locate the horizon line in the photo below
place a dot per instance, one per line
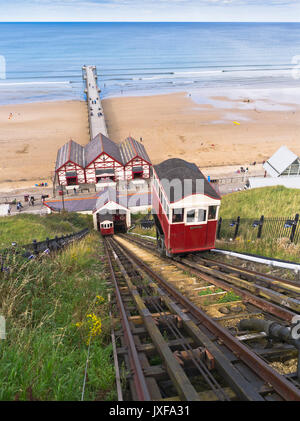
(150, 21)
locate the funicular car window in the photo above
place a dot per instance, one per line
(191, 215)
(201, 215)
(177, 215)
(212, 212)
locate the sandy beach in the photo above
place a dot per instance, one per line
(175, 126)
(30, 135)
(171, 125)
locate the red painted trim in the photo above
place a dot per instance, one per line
(114, 159)
(67, 162)
(138, 156)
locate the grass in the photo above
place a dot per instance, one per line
(24, 228)
(267, 201)
(228, 297)
(46, 304)
(151, 232)
(280, 248)
(136, 219)
(209, 291)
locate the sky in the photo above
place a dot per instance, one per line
(150, 10)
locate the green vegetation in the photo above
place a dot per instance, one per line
(267, 201)
(136, 219)
(25, 228)
(208, 291)
(280, 248)
(151, 232)
(228, 297)
(55, 307)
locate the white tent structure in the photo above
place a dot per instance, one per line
(284, 163)
(289, 182)
(4, 209)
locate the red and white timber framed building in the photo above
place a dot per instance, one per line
(70, 164)
(102, 162)
(137, 163)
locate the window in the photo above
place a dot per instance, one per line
(201, 215)
(190, 216)
(71, 181)
(212, 212)
(177, 215)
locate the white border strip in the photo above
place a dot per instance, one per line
(141, 235)
(292, 266)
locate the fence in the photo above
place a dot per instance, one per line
(147, 222)
(252, 228)
(35, 248)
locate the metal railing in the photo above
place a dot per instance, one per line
(35, 248)
(252, 228)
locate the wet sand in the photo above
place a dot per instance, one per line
(174, 125)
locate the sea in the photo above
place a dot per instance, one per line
(43, 61)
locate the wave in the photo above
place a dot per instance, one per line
(4, 84)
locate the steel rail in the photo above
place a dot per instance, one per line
(183, 385)
(281, 385)
(282, 300)
(138, 375)
(248, 272)
(241, 387)
(261, 303)
(163, 315)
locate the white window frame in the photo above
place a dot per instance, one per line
(196, 222)
(171, 215)
(217, 213)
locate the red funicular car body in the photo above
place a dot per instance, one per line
(185, 208)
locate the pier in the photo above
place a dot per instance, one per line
(95, 110)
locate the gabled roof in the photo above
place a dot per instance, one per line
(101, 144)
(131, 148)
(280, 161)
(121, 201)
(70, 151)
(184, 176)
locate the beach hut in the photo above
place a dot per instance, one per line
(69, 166)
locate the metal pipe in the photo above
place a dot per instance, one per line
(273, 330)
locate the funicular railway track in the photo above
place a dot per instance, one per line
(174, 350)
(248, 283)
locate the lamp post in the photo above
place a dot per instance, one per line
(62, 198)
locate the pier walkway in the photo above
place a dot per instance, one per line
(95, 110)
